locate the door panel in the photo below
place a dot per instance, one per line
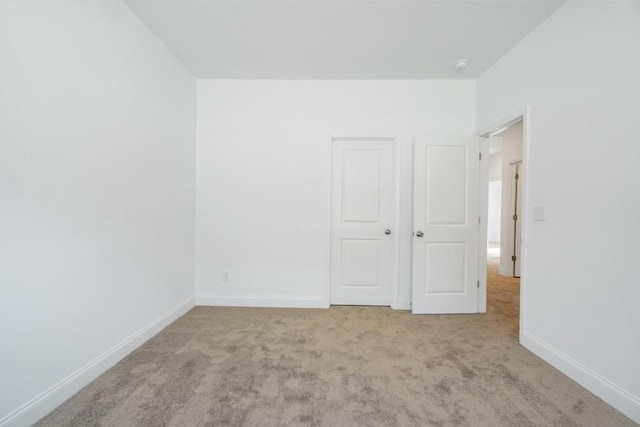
(446, 185)
(360, 185)
(362, 208)
(446, 270)
(360, 262)
(445, 257)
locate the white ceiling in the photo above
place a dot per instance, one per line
(340, 39)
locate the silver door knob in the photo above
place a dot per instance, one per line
(419, 233)
(387, 231)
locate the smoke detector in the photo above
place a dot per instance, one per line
(460, 64)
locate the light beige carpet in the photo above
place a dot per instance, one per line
(345, 366)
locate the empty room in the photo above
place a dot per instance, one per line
(319, 213)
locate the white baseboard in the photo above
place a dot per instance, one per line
(275, 302)
(615, 396)
(262, 301)
(47, 401)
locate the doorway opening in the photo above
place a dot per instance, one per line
(505, 202)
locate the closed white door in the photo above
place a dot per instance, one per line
(445, 242)
(362, 218)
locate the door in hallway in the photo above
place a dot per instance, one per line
(516, 209)
(363, 209)
(445, 217)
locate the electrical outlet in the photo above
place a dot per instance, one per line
(226, 277)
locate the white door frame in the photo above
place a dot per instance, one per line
(396, 232)
(483, 214)
(524, 115)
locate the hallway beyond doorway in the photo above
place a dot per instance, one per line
(503, 293)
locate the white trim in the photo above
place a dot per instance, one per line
(403, 304)
(397, 176)
(524, 212)
(615, 396)
(483, 214)
(328, 205)
(504, 123)
(405, 222)
(48, 400)
(282, 301)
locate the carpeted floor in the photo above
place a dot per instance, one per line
(346, 366)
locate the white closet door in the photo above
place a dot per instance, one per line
(362, 218)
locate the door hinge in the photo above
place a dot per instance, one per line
(478, 284)
(515, 217)
(479, 156)
(517, 176)
(513, 258)
(478, 220)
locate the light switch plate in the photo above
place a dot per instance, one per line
(539, 213)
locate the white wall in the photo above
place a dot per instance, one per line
(495, 165)
(495, 194)
(493, 217)
(578, 72)
(263, 176)
(511, 153)
(97, 142)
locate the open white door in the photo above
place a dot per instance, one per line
(445, 217)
